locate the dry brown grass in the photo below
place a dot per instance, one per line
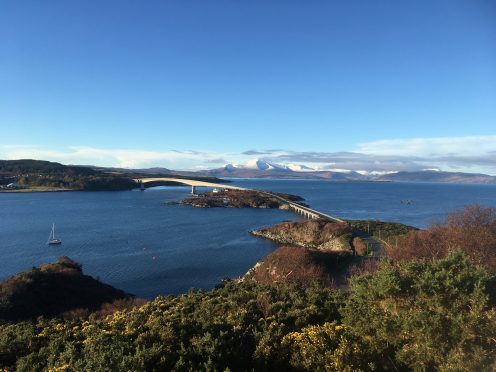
(359, 246)
(471, 230)
(289, 264)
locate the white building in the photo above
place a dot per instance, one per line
(13, 185)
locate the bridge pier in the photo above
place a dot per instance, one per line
(304, 213)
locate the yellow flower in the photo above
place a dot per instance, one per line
(64, 367)
(59, 327)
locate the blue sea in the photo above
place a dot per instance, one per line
(132, 241)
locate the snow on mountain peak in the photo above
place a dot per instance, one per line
(257, 164)
(263, 165)
(299, 168)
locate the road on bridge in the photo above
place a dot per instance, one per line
(189, 182)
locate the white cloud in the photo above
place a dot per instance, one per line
(125, 158)
(375, 173)
(440, 146)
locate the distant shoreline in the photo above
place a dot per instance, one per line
(37, 189)
(43, 189)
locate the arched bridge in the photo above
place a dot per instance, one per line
(297, 208)
(184, 181)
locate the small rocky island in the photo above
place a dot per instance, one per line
(241, 199)
(322, 235)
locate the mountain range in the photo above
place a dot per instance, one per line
(256, 168)
(259, 168)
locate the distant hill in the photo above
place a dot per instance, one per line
(162, 172)
(144, 171)
(52, 289)
(29, 166)
(437, 176)
(33, 174)
(39, 173)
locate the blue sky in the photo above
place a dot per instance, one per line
(191, 84)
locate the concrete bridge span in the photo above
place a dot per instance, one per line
(183, 181)
(306, 212)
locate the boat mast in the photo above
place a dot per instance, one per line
(50, 236)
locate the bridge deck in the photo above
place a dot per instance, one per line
(189, 182)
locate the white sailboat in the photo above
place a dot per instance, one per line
(52, 240)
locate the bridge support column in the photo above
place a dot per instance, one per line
(193, 190)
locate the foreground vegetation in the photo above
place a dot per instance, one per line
(415, 315)
(433, 311)
(386, 232)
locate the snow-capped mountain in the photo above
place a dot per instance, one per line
(260, 164)
(300, 168)
(264, 165)
(260, 168)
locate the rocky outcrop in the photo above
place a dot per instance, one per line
(289, 265)
(322, 235)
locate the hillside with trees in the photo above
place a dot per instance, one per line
(51, 290)
(38, 173)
